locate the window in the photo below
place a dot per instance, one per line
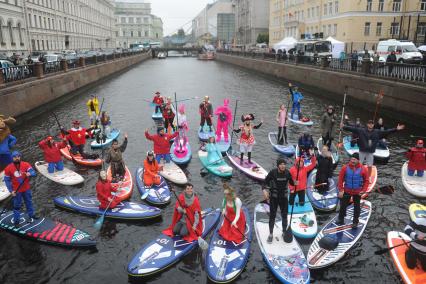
(394, 29)
(367, 29)
(336, 7)
(423, 5)
(330, 8)
(1, 32)
(131, 21)
(421, 30)
(379, 29)
(396, 7)
(138, 20)
(146, 34)
(9, 27)
(309, 13)
(35, 21)
(325, 10)
(139, 33)
(369, 4)
(381, 5)
(329, 30)
(20, 34)
(131, 33)
(123, 20)
(318, 11)
(335, 29)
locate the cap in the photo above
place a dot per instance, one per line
(206, 97)
(49, 138)
(157, 92)
(330, 107)
(150, 153)
(16, 154)
(76, 122)
(355, 155)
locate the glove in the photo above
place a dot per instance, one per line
(223, 211)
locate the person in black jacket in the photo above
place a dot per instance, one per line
(277, 180)
(368, 139)
(325, 169)
(391, 60)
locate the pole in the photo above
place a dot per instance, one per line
(343, 114)
(233, 123)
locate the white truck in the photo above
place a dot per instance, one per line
(405, 51)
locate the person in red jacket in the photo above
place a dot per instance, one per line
(299, 173)
(417, 159)
(158, 101)
(169, 114)
(77, 138)
(161, 144)
(52, 153)
(104, 191)
(16, 178)
(353, 182)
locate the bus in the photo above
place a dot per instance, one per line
(310, 47)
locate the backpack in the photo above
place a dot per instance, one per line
(222, 117)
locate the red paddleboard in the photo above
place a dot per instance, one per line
(79, 159)
(125, 187)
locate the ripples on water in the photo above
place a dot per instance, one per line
(22, 261)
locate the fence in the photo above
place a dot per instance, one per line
(401, 71)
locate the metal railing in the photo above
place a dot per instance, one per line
(17, 73)
(400, 71)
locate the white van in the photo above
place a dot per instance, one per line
(405, 51)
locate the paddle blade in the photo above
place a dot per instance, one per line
(98, 224)
(288, 236)
(145, 195)
(382, 251)
(202, 243)
(388, 189)
(203, 172)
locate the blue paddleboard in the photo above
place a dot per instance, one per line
(323, 202)
(222, 145)
(158, 194)
(206, 133)
(113, 135)
(287, 150)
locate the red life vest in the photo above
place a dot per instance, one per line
(18, 175)
(77, 136)
(417, 159)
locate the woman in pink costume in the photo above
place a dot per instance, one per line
(224, 119)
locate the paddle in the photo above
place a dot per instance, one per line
(382, 251)
(288, 236)
(415, 136)
(379, 99)
(11, 201)
(245, 237)
(341, 120)
(201, 242)
(233, 123)
(99, 222)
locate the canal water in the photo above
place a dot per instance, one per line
(23, 261)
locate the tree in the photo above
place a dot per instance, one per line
(262, 37)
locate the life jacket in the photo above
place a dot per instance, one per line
(353, 178)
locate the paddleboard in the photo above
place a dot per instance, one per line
(226, 260)
(334, 151)
(323, 202)
(79, 159)
(409, 276)
(158, 194)
(4, 192)
(287, 150)
(205, 134)
(380, 153)
(173, 173)
(296, 120)
(220, 168)
(304, 222)
(181, 156)
(413, 184)
(222, 145)
(123, 211)
(108, 141)
(46, 231)
(124, 187)
(417, 211)
(157, 115)
(252, 169)
(346, 236)
(286, 260)
(65, 177)
(164, 251)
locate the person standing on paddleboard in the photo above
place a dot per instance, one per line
(161, 144)
(299, 173)
(324, 170)
(182, 124)
(115, 157)
(234, 223)
(416, 159)
(296, 98)
(206, 113)
(306, 143)
(158, 101)
(353, 182)
(282, 125)
(187, 221)
(52, 153)
(368, 139)
(169, 114)
(16, 178)
(417, 249)
(106, 126)
(224, 119)
(77, 139)
(277, 180)
(246, 139)
(150, 170)
(328, 126)
(93, 108)
(104, 190)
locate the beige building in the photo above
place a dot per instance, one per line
(360, 24)
(13, 31)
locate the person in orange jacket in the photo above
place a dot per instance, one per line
(299, 173)
(104, 191)
(151, 168)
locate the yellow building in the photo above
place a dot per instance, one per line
(358, 23)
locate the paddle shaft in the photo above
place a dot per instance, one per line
(382, 251)
(224, 215)
(378, 102)
(233, 122)
(343, 115)
(11, 201)
(57, 121)
(180, 204)
(292, 207)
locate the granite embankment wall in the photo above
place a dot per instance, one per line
(404, 101)
(21, 99)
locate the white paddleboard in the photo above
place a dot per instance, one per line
(252, 169)
(296, 120)
(4, 192)
(65, 177)
(304, 222)
(413, 184)
(173, 173)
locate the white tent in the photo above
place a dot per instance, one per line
(287, 44)
(336, 47)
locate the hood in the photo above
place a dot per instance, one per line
(225, 102)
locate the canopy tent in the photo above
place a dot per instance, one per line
(286, 44)
(336, 47)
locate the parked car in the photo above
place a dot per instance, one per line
(52, 62)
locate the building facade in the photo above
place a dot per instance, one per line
(225, 27)
(136, 25)
(13, 31)
(360, 24)
(251, 19)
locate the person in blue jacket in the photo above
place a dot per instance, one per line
(306, 143)
(7, 141)
(296, 97)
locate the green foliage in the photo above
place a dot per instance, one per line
(263, 37)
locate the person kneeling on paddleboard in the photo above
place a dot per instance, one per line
(52, 153)
(115, 157)
(324, 170)
(277, 180)
(16, 178)
(306, 143)
(150, 170)
(187, 221)
(296, 97)
(77, 139)
(417, 250)
(161, 144)
(213, 154)
(234, 223)
(299, 173)
(246, 139)
(104, 191)
(353, 182)
(417, 159)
